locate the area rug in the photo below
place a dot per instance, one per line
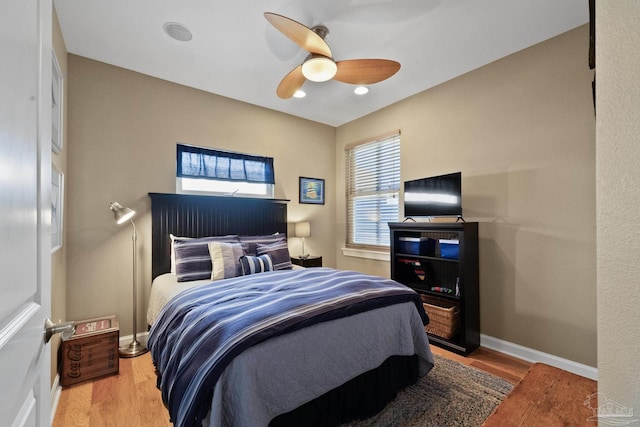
(452, 394)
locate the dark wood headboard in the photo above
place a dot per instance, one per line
(201, 216)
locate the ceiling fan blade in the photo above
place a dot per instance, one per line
(302, 35)
(291, 83)
(365, 71)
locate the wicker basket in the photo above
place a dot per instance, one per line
(444, 316)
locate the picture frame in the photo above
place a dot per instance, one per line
(311, 190)
(57, 205)
(57, 91)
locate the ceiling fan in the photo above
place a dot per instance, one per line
(319, 66)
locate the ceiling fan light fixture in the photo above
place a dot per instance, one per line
(361, 90)
(319, 68)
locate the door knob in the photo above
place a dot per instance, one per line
(66, 329)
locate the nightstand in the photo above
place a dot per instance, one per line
(311, 261)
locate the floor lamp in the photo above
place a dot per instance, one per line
(122, 215)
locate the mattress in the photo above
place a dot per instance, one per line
(163, 288)
(166, 286)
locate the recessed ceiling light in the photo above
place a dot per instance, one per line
(299, 94)
(177, 31)
(361, 90)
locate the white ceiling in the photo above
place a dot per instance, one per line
(236, 53)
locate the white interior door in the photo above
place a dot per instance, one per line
(25, 183)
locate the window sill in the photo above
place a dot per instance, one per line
(366, 253)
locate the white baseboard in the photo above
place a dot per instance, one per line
(56, 389)
(535, 356)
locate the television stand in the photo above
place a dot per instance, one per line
(448, 282)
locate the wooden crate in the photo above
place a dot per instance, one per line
(444, 316)
(91, 352)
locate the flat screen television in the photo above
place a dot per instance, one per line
(434, 196)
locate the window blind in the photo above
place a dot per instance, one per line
(198, 162)
(373, 188)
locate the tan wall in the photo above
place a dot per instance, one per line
(59, 257)
(123, 129)
(618, 189)
(522, 132)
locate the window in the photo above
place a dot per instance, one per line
(373, 189)
(204, 170)
(57, 90)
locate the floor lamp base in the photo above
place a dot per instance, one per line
(134, 349)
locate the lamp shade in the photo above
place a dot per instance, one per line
(121, 213)
(302, 229)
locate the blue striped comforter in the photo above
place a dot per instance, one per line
(202, 329)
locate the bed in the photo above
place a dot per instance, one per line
(296, 375)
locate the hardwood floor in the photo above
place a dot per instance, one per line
(547, 396)
(132, 399)
(127, 399)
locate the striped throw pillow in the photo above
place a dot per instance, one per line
(225, 258)
(249, 243)
(192, 258)
(255, 264)
(279, 253)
